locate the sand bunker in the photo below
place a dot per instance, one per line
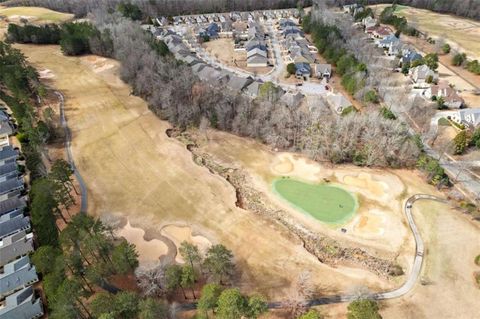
(178, 234)
(370, 224)
(365, 181)
(148, 251)
(46, 74)
(283, 166)
(294, 165)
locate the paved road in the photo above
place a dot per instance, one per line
(407, 286)
(68, 142)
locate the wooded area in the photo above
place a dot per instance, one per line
(155, 8)
(463, 8)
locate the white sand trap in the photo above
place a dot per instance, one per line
(46, 74)
(282, 166)
(370, 224)
(178, 234)
(294, 165)
(365, 181)
(148, 251)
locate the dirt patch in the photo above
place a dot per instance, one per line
(46, 74)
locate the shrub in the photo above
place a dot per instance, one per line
(461, 142)
(387, 113)
(291, 68)
(371, 96)
(477, 260)
(459, 59)
(446, 48)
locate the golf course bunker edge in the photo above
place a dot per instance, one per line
(327, 203)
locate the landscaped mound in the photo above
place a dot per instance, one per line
(327, 203)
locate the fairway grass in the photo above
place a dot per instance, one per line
(327, 203)
(34, 14)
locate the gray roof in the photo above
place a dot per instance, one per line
(11, 185)
(257, 58)
(12, 223)
(323, 68)
(5, 128)
(253, 88)
(198, 67)
(237, 83)
(16, 275)
(8, 168)
(12, 204)
(22, 305)
(292, 99)
(470, 116)
(7, 152)
(14, 246)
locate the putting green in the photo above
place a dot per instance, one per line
(327, 203)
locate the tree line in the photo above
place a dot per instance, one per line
(400, 23)
(463, 8)
(154, 8)
(329, 42)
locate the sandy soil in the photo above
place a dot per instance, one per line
(178, 234)
(222, 49)
(460, 32)
(132, 169)
(148, 250)
(34, 15)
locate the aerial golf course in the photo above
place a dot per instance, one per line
(327, 203)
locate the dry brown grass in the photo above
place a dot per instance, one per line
(133, 170)
(34, 15)
(460, 32)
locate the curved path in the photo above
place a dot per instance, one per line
(68, 149)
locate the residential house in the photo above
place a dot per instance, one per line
(422, 74)
(17, 275)
(12, 223)
(8, 155)
(11, 187)
(257, 60)
(253, 89)
(238, 83)
(284, 23)
(296, 31)
(162, 21)
(449, 95)
(409, 56)
(303, 70)
(11, 205)
(211, 31)
(322, 71)
(468, 117)
(196, 68)
(5, 129)
(349, 8)
(14, 246)
(22, 305)
(381, 32)
(387, 41)
(8, 171)
(369, 22)
(255, 43)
